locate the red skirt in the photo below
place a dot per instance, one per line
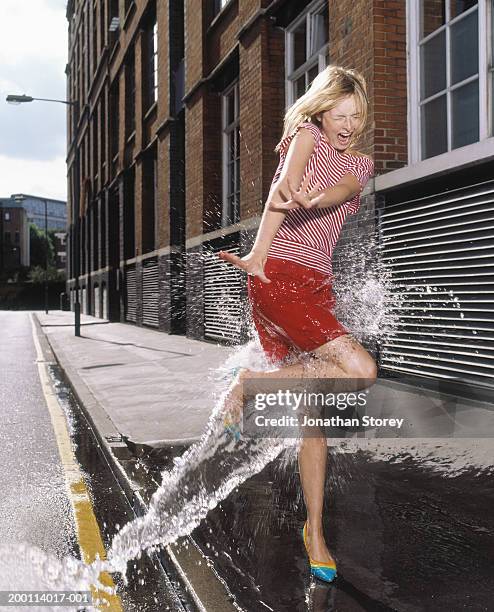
(293, 313)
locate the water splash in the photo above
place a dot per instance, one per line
(202, 477)
(370, 304)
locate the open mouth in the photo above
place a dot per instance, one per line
(344, 138)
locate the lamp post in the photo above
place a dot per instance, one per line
(20, 99)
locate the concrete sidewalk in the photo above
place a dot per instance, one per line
(153, 388)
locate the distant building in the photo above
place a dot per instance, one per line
(34, 212)
(35, 209)
(60, 250)
(14, 238)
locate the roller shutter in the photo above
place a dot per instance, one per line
(130, 294)
(223, 287)
(150, 293)
(440, 250)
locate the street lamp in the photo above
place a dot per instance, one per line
(20, 99)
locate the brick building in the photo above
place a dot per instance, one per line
(178, 108)
(14, 237)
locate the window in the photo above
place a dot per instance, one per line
(102, 131)
(7, 237)
(152, 63)
(149, 202)
(94, 124)
(102, 21)
(114, 120)
(231, 156)
(306, 44)
(94, 50)
(17, 237)
(130, 95)
(453, 74)
(6, 216)
(219, 5)
(113, 22)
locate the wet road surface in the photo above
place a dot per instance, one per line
(34, 506)
(405, 538)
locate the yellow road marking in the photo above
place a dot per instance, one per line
(88, 532)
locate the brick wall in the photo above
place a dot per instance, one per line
(367, 35)
(390, 85)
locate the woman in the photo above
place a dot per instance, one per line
(290, 271)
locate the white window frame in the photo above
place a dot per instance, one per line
(318, 59)
(226, 130)
(485, 76)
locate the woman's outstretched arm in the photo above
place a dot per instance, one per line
(296, 160)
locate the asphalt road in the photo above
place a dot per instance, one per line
(34, 506)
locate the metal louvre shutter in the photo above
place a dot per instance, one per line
(223, 285)
(105, 302)
(440, 250)
(96, 302)
(130, 294)
(150, 293)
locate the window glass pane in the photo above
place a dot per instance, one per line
(464, 48)
(319, 34)
(236, 138)
(299, 39)
(299, 86)
(433, 65)
(465, 106)
(230, 108)
(433, 16)
(231, 178)
(311, 75)
(231, 146)
(460, 6)
(237, 176)
(434, 128)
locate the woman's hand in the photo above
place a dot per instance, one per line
(299, 198)
(252, 263)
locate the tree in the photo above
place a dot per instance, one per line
(39, 246)
(38, 274)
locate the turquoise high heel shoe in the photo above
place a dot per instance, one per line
(319, 569)
(231, 427)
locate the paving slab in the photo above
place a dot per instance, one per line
(157, 389)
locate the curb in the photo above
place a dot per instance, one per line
(177, 565)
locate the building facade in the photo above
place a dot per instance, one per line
(42, 212)
(35, 209)
(178, 107)
(14, 237)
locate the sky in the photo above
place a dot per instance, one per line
(33, 56)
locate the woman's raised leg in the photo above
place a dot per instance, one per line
(341, 358)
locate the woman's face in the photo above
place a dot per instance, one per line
(340, 123)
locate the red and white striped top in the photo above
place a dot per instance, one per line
(308, 237)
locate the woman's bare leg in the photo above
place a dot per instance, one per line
(342, 358)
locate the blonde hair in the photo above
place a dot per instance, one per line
(328, 89)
